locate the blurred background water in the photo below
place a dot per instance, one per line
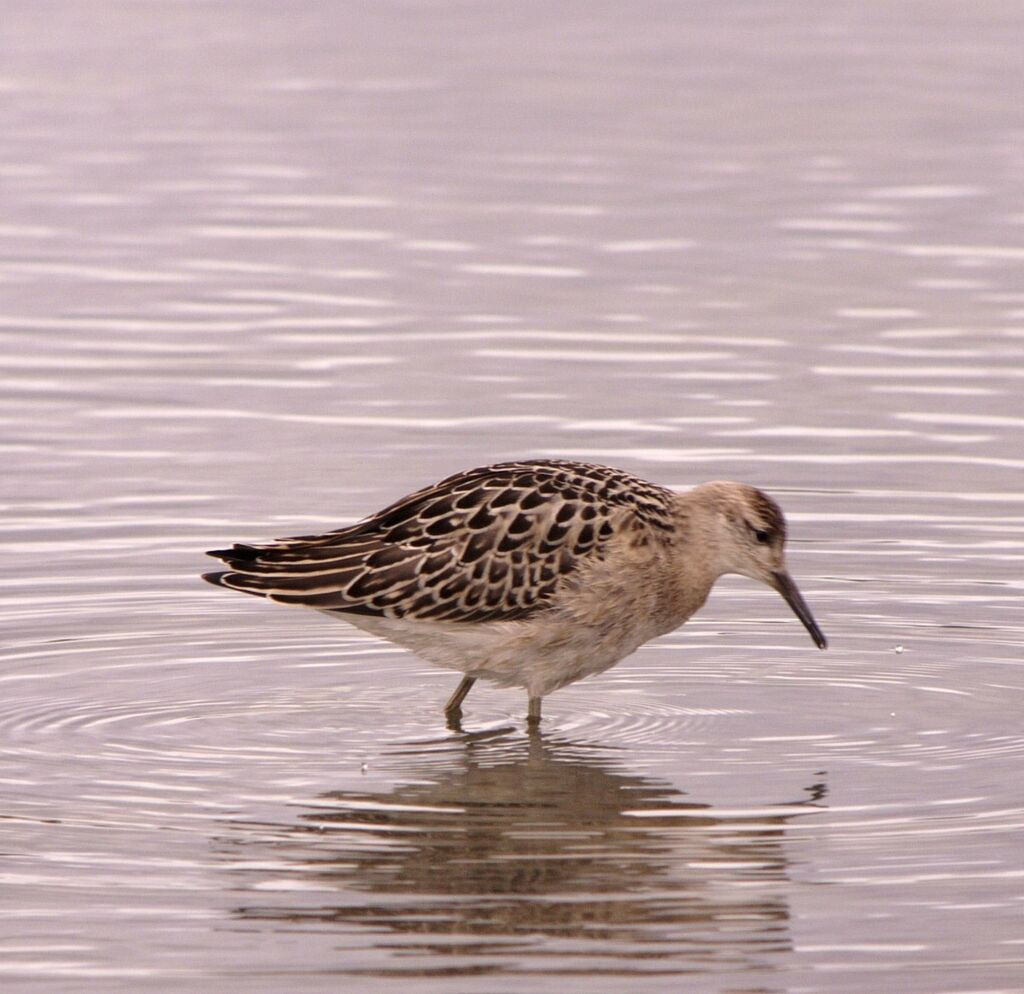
(266, 267)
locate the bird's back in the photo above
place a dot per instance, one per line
(495, 543)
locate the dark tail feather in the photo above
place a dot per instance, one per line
(237, 553)
(234, 581)
(251, 572)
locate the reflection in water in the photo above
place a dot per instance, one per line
(512, 848)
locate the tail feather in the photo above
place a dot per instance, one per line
(240, 582)
(237, 553)
(217, 579)
(250, 574)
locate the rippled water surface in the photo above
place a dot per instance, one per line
(266, 267)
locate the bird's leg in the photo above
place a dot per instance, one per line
(453, 709)
(533, 711)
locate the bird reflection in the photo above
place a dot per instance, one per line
(517, 847)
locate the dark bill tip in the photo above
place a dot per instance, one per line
(784, 584)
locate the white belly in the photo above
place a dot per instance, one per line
(540, 654)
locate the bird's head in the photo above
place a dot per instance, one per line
(750, 539)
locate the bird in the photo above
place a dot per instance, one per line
(532, 573)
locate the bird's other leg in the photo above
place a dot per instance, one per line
(533, 711)
(453, 709)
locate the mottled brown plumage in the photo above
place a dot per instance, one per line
(532, 573)
(491, 544)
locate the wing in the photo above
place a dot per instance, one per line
(490, 544)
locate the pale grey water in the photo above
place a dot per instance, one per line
(265, 267)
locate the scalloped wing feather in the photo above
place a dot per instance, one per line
(490, 544)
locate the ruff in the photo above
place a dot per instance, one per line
(532, 574)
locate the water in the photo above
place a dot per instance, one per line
(263, 269)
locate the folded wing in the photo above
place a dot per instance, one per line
(490, 544)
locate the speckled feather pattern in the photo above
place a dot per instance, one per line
(490, 544)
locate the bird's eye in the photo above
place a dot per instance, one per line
(761, 535)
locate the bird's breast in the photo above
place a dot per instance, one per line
(636, 591)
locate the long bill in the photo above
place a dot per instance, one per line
(784, 584)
